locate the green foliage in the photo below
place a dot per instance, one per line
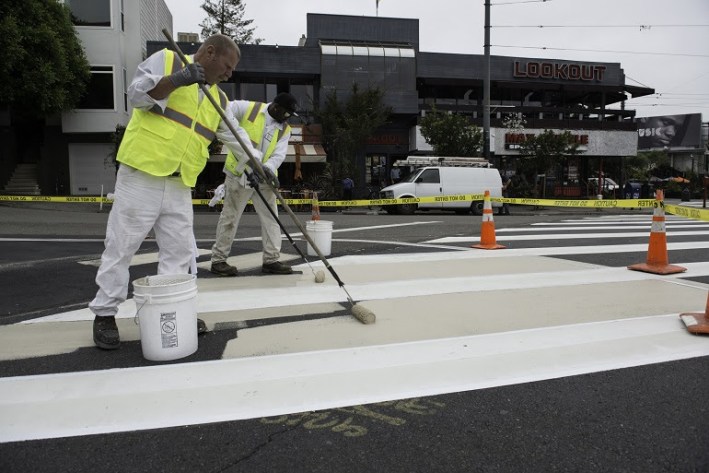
(451, 134)
(541, 153)
(44, 68)
(348, 125)
(642, 166)
(227, 17)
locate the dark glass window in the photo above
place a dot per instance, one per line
(430, 176)
(304, 95)
(254, 91)
(99, 92)
(90, 12)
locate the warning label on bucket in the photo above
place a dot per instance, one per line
(168, 329)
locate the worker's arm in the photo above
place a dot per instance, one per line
(151, 87)
(235, 110)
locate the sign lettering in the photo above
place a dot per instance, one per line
(559, 71)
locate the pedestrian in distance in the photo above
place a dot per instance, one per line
(163, 150)
(506, 192)
(347, 188)
(266, 125)
(395, 174)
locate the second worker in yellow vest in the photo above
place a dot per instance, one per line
(269, 133)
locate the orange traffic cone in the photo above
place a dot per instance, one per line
(657, 261)
(697, 322)
(315, 212)
(487, 231)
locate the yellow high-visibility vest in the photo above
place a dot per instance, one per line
(163, 142)
(254, 123)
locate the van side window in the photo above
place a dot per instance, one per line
(430, 176)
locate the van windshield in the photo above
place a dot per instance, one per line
(411, 177)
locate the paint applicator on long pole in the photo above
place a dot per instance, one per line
(360, 312)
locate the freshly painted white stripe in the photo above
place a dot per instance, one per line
(469, 253)
(620, 218)
(99, 402)
(586, 224)
(257, 298)
(574, 236)
(597, 227)
(138, 259)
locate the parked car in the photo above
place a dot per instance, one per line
(609, 185)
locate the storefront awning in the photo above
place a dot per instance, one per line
(307, 153)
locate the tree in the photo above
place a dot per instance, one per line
(44, 68)
(451, 134)
(348, 124)
(643, 165)
(226, 17)
(543, 153)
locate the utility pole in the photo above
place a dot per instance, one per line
(486, 85)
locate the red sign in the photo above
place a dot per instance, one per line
(556, 70)
(514, 140)
(389, 139)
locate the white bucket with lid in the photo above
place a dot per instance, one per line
(320, 231)
(166, 307)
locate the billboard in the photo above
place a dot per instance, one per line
(670, 131)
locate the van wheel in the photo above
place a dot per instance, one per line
(477, 207)
(407, 209)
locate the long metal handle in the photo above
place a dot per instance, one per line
(255, 163)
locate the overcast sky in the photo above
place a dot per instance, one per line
(666, 53)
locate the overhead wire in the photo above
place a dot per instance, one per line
(642, 27)
(660, 96)
(545, 48)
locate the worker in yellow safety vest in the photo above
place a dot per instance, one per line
(163, 150)
(268, 130)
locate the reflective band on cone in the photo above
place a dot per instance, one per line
(487, 230)
(657, 261)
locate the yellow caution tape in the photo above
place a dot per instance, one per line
(42, 198)
(688, 212)
(590, 204)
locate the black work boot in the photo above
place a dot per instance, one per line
(222, 268)
(106, 333)
(276, 268)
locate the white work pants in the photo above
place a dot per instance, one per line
(143, 202)
(236, 198)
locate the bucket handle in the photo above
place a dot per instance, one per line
(136, 319)
(148, 299)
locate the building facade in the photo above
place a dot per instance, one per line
(74, 152)
(586, 99)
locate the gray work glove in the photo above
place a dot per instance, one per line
(271, 177)
(190, 74)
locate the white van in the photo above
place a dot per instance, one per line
(433, 181)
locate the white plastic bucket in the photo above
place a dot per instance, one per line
(320, 231)
(166, 307)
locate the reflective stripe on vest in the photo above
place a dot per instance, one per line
(254, 123)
